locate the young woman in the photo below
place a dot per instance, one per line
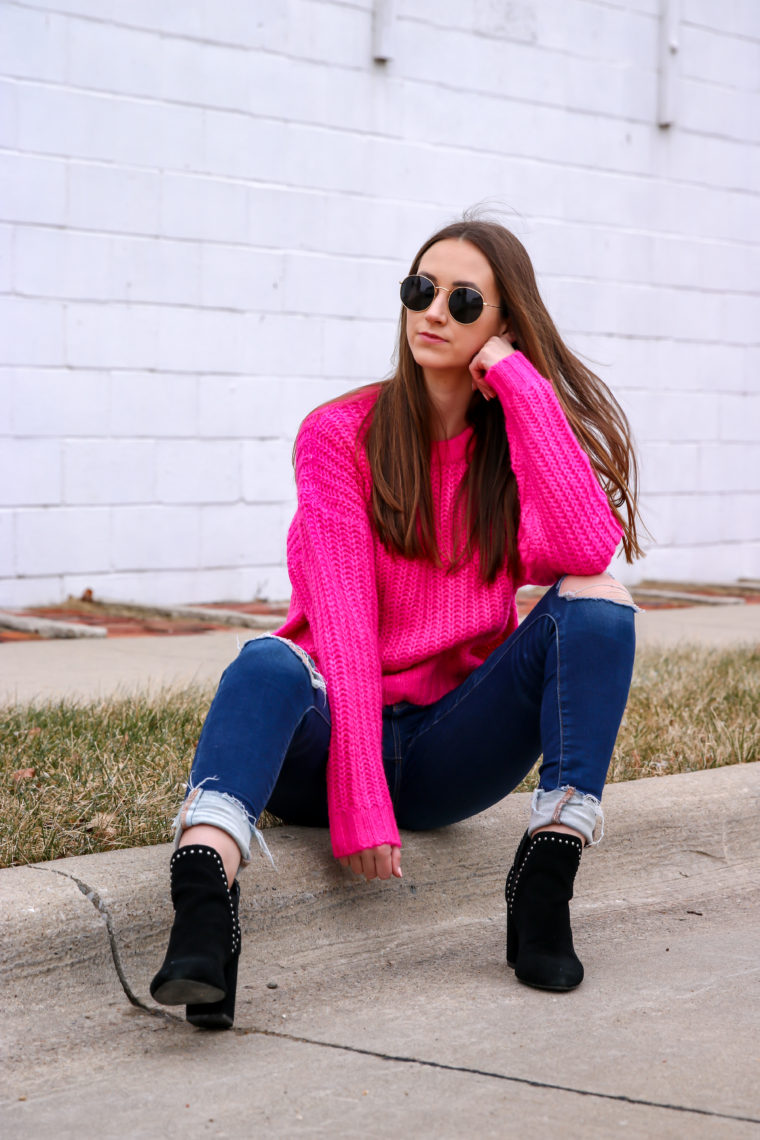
(401, 690)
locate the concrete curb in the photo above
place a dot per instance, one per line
(70, 916)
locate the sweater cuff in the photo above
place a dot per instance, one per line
(352, 831)
(519, 366)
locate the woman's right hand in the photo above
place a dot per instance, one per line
(375, 862)
(495, 349)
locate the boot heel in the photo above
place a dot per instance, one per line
(218, 1014)
(512, 944)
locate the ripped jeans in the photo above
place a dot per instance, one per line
(558, 685)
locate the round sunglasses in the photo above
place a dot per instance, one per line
(465, 304)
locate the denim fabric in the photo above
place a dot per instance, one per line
(558, 686)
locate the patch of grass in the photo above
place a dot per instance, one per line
(81, 778)
(688, 710)
(76, 779)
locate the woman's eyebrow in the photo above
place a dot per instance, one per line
(434, 279)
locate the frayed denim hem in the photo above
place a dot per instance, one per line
(219, 809)
(578, 810)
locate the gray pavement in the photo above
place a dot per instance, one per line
(394, 1008)
(48, 670)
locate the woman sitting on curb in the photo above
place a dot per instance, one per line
(401, 690)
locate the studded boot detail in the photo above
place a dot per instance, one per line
(200, 967)
(538, 892)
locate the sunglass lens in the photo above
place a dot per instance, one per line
(417, 293)
(465, 305)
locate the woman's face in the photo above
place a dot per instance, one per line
(436, 340)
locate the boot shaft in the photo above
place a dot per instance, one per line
(538, 892)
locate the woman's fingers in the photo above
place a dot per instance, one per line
(373, 864)
(478, 372)
(381, 862)
(383, 865)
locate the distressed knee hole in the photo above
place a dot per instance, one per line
(596, 586)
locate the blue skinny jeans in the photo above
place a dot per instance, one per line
(558, 685)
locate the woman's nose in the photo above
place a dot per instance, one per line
(438, 309)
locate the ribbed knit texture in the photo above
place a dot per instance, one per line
(382, 628)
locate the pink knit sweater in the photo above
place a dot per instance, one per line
(383, 628)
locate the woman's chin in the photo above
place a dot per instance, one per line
(429, 356)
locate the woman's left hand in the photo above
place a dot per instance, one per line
(495, 349)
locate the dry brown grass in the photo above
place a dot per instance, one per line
(76, 779)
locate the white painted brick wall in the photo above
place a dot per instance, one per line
(110, 471)
(205, 210)
(198, 471)
(239, 534)
(30, 472)
(62, 541)
(152, 406)
(7, 544)
(166, 538)
(56, 403)
(267, 471)
(7, 380)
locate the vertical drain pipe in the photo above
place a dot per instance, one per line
(668, 48)
(383, 20)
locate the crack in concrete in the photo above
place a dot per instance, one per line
(401, 1059)
(92, 895)
(155, 1011)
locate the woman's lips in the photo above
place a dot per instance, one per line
(432, 338)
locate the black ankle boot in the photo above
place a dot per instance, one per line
(220, 1014)
(200, 967)
(538, 891)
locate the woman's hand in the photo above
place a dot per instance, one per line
(374, 863)
(495, 349)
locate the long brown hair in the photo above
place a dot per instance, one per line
(399, 437)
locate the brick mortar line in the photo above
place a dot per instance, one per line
(644, 124)
(536, 220)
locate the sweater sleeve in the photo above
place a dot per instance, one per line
(566, 523)
(339, 580)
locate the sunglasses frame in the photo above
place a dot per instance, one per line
(442, 289)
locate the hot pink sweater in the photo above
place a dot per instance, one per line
(382, 628)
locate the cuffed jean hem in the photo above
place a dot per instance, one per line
(565, 805)
(218, 809)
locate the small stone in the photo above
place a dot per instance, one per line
(271, 985)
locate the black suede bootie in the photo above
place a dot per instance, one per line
(221, 1014)
(200, 967)
(538, 892)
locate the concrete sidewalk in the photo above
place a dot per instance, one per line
(49, 670)
(381, 1009)
(370, 1009)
